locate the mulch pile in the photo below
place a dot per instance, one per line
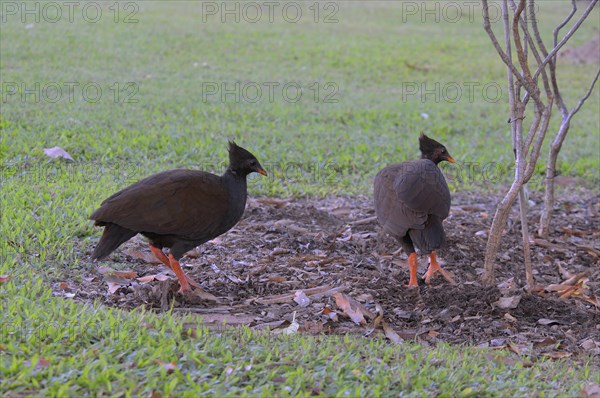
(326, 265)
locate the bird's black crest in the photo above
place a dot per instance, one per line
(428, 145)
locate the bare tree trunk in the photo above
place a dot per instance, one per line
(496, 230)
(546, 215)
(526, 245)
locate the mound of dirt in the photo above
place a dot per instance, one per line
(334, 245)
(589, 53)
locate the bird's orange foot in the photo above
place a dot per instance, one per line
(412, 264)
(434, 267)
(184, 280)
(185, 285)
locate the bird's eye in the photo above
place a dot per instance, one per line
(443, 151)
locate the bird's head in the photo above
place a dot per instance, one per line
(433, 150)
(243, 162)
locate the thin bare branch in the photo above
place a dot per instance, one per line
(534, 127)
(512, 98)
(586, 96)
(526, 245)
(539, 42)
(488, 28)
(566, 37)
(539, 139)
(552, 61)
(529, 82)
(563, 23)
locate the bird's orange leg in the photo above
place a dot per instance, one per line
(165, 260)
(184, 280)
(412, 264)
(434, 267)
(160, 255)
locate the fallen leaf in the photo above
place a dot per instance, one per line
(119, 274)
(509, 317)
(204, 295)
(508, 302)
(548, 341)
(592, 300)
(63, 294)
(57, 152)
(314, 292)
(274, 202)
(234, 278)
(292, 329)
(312, 328)
(150, 278)
(146, 279)
(391, 333)
(591, 390)
(508, 286)
(276, 279)
(4, 278)
(544, 321)
(557, 354)
(350, 307)
(168, 366)
(141, 254)
(590, 345)
(564, 273)
(268, 325)
(42, 363)
(279, 251)
(63, 286)
(113, 287)
(301, 298)
(331, 314)
(125, 274)
(377, 321)
(514, 348)
(433, 333)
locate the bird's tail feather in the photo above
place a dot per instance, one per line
(432, 237)
(114, 235)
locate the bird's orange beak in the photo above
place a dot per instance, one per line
(262, 171)
(450, 159)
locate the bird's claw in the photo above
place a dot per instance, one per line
(432, 270)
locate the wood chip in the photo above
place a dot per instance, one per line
(289, 297)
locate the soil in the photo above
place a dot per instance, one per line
(324, 246)
(588, 53)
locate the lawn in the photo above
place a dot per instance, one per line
(324, 99)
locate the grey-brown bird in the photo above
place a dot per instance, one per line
(177, 209)
(411, 201)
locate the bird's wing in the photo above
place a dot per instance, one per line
(407, 193)
(187, 203)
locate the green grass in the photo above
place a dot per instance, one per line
(70, 349)
(310, 147)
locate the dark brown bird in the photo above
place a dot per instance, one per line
(411, 201)
(177, 209)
